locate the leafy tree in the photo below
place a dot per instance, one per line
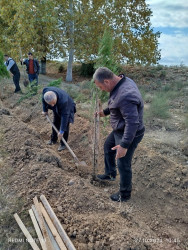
(3, 70)
(134, 39)
(106, 56)
(55, 28)
(129, 22)
(35, 25)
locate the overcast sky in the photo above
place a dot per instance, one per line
(171, 18)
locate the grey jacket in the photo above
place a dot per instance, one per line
(125, 107)
(12, 66)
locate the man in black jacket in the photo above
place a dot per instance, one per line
(63, 108)
(13, 68)
(125, 107)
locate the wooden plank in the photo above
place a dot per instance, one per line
(36, 215)
(26, 233)
(42, 225)
(52, 228)
(54, 243)
(57, 224)
(37, 229)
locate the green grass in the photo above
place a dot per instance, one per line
(159, 107)
(185, 122)
(175, 86)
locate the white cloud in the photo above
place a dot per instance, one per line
(171, 17)
(169, 13)
(174, 49)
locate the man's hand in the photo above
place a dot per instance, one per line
(60, 135)
(121, 152)
(100, 113)
(44, 113)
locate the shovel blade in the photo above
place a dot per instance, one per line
(25, 82)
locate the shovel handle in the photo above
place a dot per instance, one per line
(66, 144)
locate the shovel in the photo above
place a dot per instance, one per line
(81, 163)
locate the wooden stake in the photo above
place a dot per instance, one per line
(96, 137)
(42, 225)
(26, 233)
(52, 228)
(57, 224)
(37, 229)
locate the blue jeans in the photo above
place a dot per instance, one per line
(124, 163)
(33, 77)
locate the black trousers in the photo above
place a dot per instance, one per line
(57, 123)
(124, 163)
(16, 80)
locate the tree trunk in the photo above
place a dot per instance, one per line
(96, 138)
(71, 43)
(43, 66)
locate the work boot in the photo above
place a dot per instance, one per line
(18, 91)
(50, 142)
(105, 177)
(120, 198)
(61, 147)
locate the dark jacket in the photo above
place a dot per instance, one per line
(14, 68)
(64, 108)
(36, 66)
(125, 107)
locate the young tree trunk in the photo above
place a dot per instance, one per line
(71, 43)
(96, 137)
(43, 66)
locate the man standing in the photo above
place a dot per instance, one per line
(125, 107)
(32, 68)
(63, 109)
(13, 68)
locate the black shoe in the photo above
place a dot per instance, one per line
(50, 142)
(18, 91)
(105, 177)
(119, 198)
(61, 147)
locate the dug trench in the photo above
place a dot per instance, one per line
(154, 218)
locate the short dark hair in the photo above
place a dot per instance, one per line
(30, 54)
(6, 55)
(102, 73)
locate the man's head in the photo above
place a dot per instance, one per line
(6, 57)
(105, 79)
(30, 55)
(50, 98)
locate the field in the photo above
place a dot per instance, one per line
(155, 218)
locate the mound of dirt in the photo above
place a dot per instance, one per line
(155, 217)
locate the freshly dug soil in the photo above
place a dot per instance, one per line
(156, 216)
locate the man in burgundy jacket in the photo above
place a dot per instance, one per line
(32, 68)
(125, 107)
